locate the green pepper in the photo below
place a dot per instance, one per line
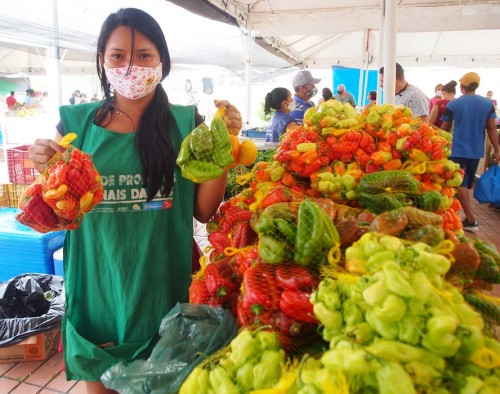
(428, 201)
(268, 340)
(196, 382)
(440, 338)
(185, 153)
(455, 181)
(473, 385)
(352, 314)
(267, 371)
(266, 222)
(433, 262)
(287, 228)
(376, 293)
(363, 333)
(244, 376)
(424, 376)
(394, 351)
(395, 281)
(471, 339)
(273, 250)
(353, 361)
(392, 309)
(393, 379)
(328, 293)
(330, 319)
(200, 171)
(222, 151)
(316, 234)
(410, 327)
(201, 142)
(243, 347)
(221, 381)
(387, 330)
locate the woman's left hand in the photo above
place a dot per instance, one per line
(232, 117)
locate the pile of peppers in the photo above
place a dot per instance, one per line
(252, 361)
(60, 197)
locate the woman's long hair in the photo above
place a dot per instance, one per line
(153, 140)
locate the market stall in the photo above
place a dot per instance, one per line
(344, 262)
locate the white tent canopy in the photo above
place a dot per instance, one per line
(322, 33)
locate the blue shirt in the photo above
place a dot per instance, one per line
(469, 114)
(301, 106)
(278, 126)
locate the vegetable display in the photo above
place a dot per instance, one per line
(348, 247)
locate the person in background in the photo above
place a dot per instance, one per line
(407, 94)
(344, 96)
(326, 94)
(448, 91)
(470, 115)
(83, 98)
(95, 98)
(279, 99)
(31, 100)
(437, 96)
(11, 100)
(119, 286)
(75, 97)
(489, 95)
(304, 87)
(372, 99)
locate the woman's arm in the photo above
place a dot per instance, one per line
(434, 114)
(208, 196)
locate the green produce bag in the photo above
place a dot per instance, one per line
(189, 333)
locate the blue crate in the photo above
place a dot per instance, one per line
(254, 133)
(58, 262)
(23, 250)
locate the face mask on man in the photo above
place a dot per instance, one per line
(291, 106)
(139, 82)
(340, 91)
(312, 92)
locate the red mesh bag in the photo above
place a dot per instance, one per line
(59, 198)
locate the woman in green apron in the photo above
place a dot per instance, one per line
(129, 262)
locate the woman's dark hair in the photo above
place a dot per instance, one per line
(326, 93)
(153, 142)
(274, 99)
(372, 94)
(450, 87)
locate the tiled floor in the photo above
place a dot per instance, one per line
(47, 377)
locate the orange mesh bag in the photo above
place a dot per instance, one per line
(68, 188)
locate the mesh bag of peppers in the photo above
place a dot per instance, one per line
(60, 197)
(207, 151)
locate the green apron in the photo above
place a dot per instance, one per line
(129, 262)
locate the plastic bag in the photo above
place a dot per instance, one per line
(487, 189)
(68, 188)
(30, 304)
(189, 333)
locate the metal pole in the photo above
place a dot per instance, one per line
(248, 75)
(390, 35)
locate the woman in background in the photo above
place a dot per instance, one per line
(279, 99)
(326, 94)
(448, 92)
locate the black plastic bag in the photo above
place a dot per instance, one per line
(30, 304)
(189, 333)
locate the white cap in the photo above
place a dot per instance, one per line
(304, 77)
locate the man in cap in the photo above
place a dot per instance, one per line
(470, 115)
(303, 85)
(407, 94)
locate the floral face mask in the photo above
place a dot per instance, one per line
(139, 82)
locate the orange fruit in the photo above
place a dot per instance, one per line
(235, 146)
(248, 153)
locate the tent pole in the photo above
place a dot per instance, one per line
(389, 51)
(362, 68)
(248, 75)
(53, 65)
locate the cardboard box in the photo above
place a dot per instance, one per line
(34, 348)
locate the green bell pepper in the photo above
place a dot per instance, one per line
(222, 150)
(267, 371)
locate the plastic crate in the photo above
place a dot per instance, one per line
(23, 250)
(254, 133)
(14, 191)
(19, 165)
(4, 196)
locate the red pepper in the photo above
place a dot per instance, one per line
(260, 291)
(313, 166)
(219, 240)
(295, 277)
(288, 179)
(280, 194)
(412, 141)
(426, 144)
(286, 324)
(242, 235)
(36, 208)
(381, 157)
(233, 215)
(247, 318)
(245, 259)
(198, 293)
(296, 304)
(218, 279)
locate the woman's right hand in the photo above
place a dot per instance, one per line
(42, 151)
